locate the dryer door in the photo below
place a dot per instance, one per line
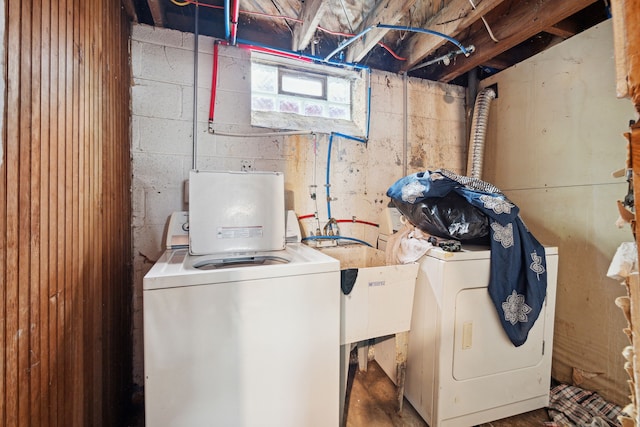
(481, 346)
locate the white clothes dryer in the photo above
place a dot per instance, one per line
(462, 370)
(242, 341)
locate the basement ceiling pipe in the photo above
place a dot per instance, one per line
(227, 12)
(194, 131)
(348, 41)
(478, 132)
(234, 21)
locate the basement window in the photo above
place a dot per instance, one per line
(295, 95)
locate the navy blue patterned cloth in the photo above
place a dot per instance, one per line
(518, 278)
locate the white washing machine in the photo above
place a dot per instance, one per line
(240, 329)
(244, 341)
(462, 370)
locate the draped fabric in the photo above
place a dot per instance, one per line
(518, 278)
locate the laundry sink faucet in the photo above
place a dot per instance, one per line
(331, 228)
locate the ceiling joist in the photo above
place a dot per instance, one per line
(451, 20)
(512, 31)
(385, 12)
(157, 12)
(522, 23)
(130, 10)
(311, 14)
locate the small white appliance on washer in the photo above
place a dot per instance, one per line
(462, 369)
(242, 339)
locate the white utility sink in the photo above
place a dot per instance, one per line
(381, 300)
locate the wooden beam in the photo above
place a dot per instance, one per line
(157, 12)
(130, 10)
(632, 27)
(498, 63)
(388, 12)
(451, 20)
(312, 12)
(521, 22)
(619, 45)
(626, 29)
(565, 29)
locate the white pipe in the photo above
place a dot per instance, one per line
(478, 132)
(405, 127)
(194, 163)
(259, 134)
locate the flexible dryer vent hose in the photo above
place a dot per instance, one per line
(478, 132)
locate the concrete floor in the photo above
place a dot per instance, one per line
(371, 403)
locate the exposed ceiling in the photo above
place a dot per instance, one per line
(389, 34)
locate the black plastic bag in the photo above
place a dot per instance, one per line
(449, 217)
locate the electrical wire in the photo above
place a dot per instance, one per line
(486, 24)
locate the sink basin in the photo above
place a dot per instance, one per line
(381, 300)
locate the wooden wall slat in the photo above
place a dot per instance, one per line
(44, 54)
(12, 175)
(24, 212)
(65, 178)
(53, 367)
(35, 354)
(62, 299)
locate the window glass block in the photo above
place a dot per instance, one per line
(313, 110)
(289, 106)
(264, 78)
(263, 103)
(338, 90)
(339, 112)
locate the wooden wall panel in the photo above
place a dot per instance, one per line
(65, 178)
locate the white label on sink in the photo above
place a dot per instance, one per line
(377, 283)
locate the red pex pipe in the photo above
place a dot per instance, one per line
(373, 224)
(358, 221)
(214, 76)
(234, 21)
(214, 83)
(275, 52)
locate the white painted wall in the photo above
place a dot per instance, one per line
(360, 174)
(554, 137)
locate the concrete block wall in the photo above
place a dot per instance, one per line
(415, 125)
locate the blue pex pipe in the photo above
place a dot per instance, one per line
(361, 34)
(352, 239)
(327, 184)
(227, 8)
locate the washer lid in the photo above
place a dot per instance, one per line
(236, 212)
(214, 263)
(177, 268)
